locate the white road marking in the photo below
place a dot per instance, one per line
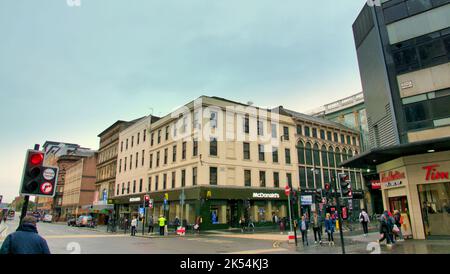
(258, 251)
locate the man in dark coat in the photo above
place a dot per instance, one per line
(25, 240)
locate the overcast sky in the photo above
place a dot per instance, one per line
(67, 73)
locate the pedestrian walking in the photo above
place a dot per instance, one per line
(198, 222)
(162, 225)
(364, 220)
(329, 228)
(385, 229)
(316, 223)
(25, 240)
(150, 224)
(133, 226)
(398, 223)
(304, 226)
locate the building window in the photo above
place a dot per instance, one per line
(140, 185)
(132, 141)
(247, 177)
(274, 131)
(152, 139)
(314, 132)
(167, 133)
(174, 176)
(324, 156)
(138, 137)
(120, 165)
(329, 136)
(342, 139)
(286, 133)
(184, 125)
(151, 160)
(125, 164)
(275, 154)
(213, 147)
(289, 179)
(354, 141)
(348, 140)
(143, 157)
(137, 159)
(194, 176)
(174, 130)
(307, 133)
(335, 135)
(156, 182)
(117, 189)
(308, 154)
(121, 146)
(260, 128)
(287, 153)
(159, 136)
(261, 152)
(131, 162)
(157, 159)
(144, 135)
(183, 150)
(149, 187)
(302, 175)
(262, 179)
(316, 154)
(213, 119)
(123, 188)
(164, 181)
(246, 123)
(299, 129)
(128, 188)
(134, 186)
(166, 155)
(126, 145)
(183, 178)
(301, 153)
(276, 179)
(246, 151)
(213, 175)
(195, 147)
(322, 134)
(174, 154)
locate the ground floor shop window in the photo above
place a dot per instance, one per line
(435, 204)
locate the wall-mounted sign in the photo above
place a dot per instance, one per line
(266, 195)
(306, 199)
(392, 176)
(434, 174)
(392, 184)
(137, 199)
(375, 184)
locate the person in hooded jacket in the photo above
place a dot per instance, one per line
(386, 226)
(25, 240)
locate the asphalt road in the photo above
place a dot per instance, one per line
(63, 239)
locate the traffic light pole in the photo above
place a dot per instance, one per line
(26, 199)
(339, 210)
(291, 208)
(143, 220)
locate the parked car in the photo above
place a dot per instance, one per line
(86, 221)
(71, 221)
(48, 218)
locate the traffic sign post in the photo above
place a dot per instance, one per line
(287, 191)
(182, 200)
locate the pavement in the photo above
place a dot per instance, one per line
(63, 239)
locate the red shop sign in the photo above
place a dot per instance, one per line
(434, 174)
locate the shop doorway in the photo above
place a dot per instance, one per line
(398, 203)
(233, 213)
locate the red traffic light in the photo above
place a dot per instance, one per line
(327, 186)
(37, 158)
(147, 198)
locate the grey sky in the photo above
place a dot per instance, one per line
(67, 73)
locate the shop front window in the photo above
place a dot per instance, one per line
(435, 203)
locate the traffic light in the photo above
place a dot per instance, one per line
(37, 179)
(346, 187)
(146, 201)
(318, 196)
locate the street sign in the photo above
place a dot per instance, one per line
(287, 190)
(46, 188)
(49, 174)
(306, 199)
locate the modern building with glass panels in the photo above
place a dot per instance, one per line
(403, 49)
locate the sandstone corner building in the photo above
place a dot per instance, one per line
(414, 180)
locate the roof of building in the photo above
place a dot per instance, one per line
(371, 158)
(313, 119)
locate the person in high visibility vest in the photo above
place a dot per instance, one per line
(162, 224)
